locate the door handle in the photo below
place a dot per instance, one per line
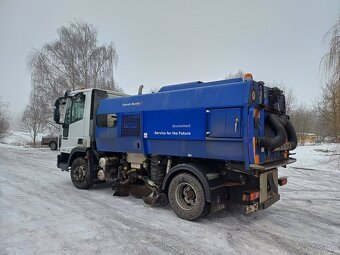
(236, 124)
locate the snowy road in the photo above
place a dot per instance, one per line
(42, 213)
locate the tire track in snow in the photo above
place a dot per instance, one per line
(41, 212)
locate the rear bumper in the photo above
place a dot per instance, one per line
(271, 165)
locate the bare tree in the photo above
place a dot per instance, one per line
(154, 90)
(328, 108)
(34, 117)
(74, 60)
(4, 119)
(329, 105)
(290, 97)
(303, 119)
(331, 59)
(238, 74)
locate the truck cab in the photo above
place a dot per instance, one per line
(76, 112)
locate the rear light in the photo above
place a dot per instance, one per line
(286, 154)
(250, 196)
(282, 181)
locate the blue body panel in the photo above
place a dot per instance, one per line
(175, 124)
(197, 84)
(225, 122)
(203, 120)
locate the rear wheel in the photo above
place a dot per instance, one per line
(81, 175)
(53, 146)
(187, 197)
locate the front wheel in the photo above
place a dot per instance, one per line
(81, 175)
(187, 197)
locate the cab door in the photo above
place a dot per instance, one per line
(74, 123)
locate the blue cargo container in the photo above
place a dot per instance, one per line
(201, 120)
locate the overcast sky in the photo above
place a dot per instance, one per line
(168, 42)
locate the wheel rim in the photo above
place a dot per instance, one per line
(79, 173)
(185, 196)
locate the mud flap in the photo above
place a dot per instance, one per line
(218, 199)
(270, 201)
(268, 184)
(269, 188)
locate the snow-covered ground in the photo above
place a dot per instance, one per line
(19, 138)
(42, 213)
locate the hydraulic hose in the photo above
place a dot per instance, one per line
(291, 133)
(280, 133)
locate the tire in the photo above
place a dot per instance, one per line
(158, 169)
(53, 146)
(186, 197)
(81, 174)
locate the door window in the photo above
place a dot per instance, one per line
(67, 117)
(78, 106)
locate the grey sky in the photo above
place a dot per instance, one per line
(167, 42)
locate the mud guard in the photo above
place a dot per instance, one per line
(212, 182)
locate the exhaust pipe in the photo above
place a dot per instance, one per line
(140, 89)
(280, 134)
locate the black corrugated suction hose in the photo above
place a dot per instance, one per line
(291, 133)
(280, 133)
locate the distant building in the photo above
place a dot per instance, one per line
(306, 138)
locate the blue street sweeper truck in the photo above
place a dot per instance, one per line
(197, 146)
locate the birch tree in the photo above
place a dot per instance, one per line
(73, 60)
(4, 119)
(34, 117)
(329, 105)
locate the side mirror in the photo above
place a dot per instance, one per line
(56, 115)
(56, 112)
